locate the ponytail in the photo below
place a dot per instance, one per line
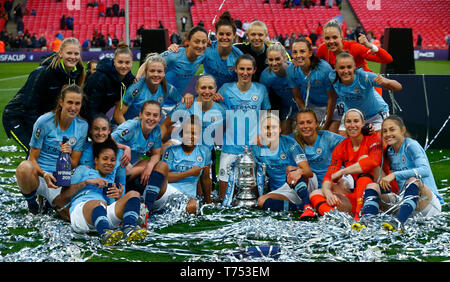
(333, 23)
(55, 59)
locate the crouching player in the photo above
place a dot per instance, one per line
(101, 203)
(35, 175)
(189, 167)
(410, 169)
(287, 169)
(143, 136)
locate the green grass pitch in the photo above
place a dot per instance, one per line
(171, 247)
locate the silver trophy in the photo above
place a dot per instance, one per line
(246, 178)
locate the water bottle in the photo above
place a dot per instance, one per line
(63, 171)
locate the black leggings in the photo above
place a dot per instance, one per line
(18, 128)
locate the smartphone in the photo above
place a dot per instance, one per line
(106, 188)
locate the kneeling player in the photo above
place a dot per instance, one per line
(189, 167)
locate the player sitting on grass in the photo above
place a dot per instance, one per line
(102, 204)
(287, 168)
(410, 169)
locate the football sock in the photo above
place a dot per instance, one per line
(411, 198)
(273, 205)
(319, 202)
(131, 212)
(280, 205)
(33, 205)
(371, 204)
(152, 189)
(302, 191)
(99, 219)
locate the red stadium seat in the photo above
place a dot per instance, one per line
(429, 18)
(277, 19)
(142, 12)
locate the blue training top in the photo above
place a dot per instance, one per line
(318, 81)
(280, 85)
(180, 70)
(361, 94)
(90, 192)
(137, 94)
(222, 70)
(87, 159)
(211, 119)
(319, 154)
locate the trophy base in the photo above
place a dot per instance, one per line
(247, 204)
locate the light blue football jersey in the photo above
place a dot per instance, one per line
(361, 94)
(411, 161)
(90, 192)
(46, 137)
(222, 70)
(180, 70)
(179, 161)
(280, 85)
(212, 120)
(243, 110)
(130, 133)
(137, 94)
(288, 153)
(319, 154)
(119, 172)
(318, 81)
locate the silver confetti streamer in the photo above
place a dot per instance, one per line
(218, 233)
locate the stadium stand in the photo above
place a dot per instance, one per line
(142, 12)
(429, 18)
(279, 20)
(2, 19)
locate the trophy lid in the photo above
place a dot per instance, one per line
(246, 159)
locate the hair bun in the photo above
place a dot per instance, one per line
(334, 21)
(122, 44)
(226, 15)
